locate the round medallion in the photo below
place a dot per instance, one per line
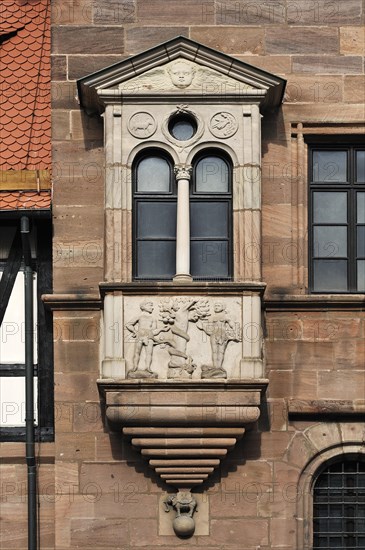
(223, 125)
(142, 125)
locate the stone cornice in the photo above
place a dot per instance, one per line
(66, 301)
(207, 288)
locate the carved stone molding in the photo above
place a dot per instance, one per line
(182, 172)
(182, 428)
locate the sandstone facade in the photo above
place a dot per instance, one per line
(95, 489)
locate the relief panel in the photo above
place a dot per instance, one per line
(183, 337)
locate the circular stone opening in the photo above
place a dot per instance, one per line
(182, 127)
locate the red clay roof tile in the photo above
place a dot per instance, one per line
(20, 200)
(25, 85)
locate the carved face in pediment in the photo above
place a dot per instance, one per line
(182, 74)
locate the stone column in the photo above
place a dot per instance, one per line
(182, 174)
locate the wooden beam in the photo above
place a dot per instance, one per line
(25, 180)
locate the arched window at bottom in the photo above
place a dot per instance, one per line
(339, 506)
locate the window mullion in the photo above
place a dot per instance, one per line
(183, 174)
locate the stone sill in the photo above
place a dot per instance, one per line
(170, 287)
(276, 302)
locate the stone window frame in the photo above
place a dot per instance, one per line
(187, 175)
(306, 483)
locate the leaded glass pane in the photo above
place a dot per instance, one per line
(212, 175)
(360, 207)
(153, 175)
(361, 275)
(329, 207)
(156, 219)
(329, 166)
(209, 219)
(156, 259)
(330, 241)
(330, 275)
(209, 259)
(360, 166)
(361, 241)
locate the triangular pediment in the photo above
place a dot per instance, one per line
(180, 68)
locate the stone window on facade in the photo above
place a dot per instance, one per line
(182, 217)
(12, 336)
(337, 211)
(339, 506)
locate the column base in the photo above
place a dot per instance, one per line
(182, 278)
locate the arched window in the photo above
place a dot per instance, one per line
(154, 217)
(155, 201)
(211, 217)
(339, 506)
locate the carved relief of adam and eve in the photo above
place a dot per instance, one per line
(169, 329)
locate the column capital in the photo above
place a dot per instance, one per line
(183, 171)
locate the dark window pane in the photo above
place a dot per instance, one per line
(212, 176)
(360, 207)
(156, 259)
(156, 219)
(153, 175)
(329, 166)
(329, 207)
(330, 275)
(330, 241)
(209, 219)
(209, 259)
(360, 166)
(361, 275)
(361, 241)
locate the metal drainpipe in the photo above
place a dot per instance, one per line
(29, 386)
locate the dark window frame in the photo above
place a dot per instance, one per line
(42, 264)
(329, 496)
(143, 197)
(223, 197)
(351, 187)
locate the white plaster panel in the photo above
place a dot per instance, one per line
(12, 401)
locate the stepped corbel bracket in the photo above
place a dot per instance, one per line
(184, 429)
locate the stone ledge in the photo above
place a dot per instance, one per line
(317, 302)
(300, 407)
